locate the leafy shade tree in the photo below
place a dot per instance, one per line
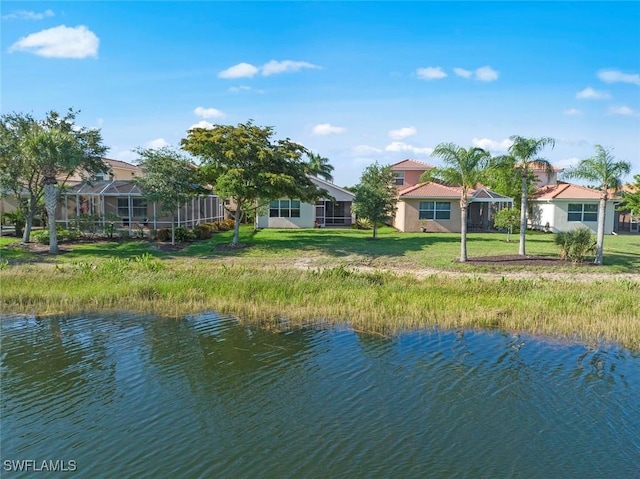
(507, 218)
(40, 154)
(319, 166)
(631, 200)
(525, 152)
(169, 179)
(607, 173)
(245, 164)
(463, 168)
(375, 195)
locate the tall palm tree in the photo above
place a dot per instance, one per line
(319, 166)
(53, 150)
(608, 173)
(463, 167)
(525, 151)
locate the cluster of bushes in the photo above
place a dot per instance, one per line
(202, 231)
(42, 236)
(575, 245)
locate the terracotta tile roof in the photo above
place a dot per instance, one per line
(567, 191)
(120, 164)
(430, 190)
(411, 165)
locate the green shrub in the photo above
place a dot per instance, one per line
(182, 234)
(576, 244)
(364, 224)
(164, 234)
(42, 236)
(203, 231)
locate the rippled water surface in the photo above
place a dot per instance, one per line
(138, 396)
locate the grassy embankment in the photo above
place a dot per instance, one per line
(265, 282)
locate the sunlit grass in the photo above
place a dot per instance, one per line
(262, 282)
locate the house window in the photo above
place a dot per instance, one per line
(284, 209)
(138, 207)
(435, 210)
(582, 212)
(399, 177)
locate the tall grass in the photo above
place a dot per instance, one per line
(377, 302)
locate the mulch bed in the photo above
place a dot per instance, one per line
(527, 260)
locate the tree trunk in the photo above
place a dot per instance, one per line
(173, 231)
(463, 230)
(51, 201)
(31, 212)
(523, 214)
(236, 227)
(600, 235)
(375, 230)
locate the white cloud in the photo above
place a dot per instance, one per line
(592, 94)
(236, 89)
(274, 67)
(486, 74)
(324, 129)
(99, 122)
(365, 150)
(202, 124)
(402, 147)
(208, 112)
(28, 15)
(431, 73)
(158, 143)
(572, 112)
(60, 42)
(241, 70)
(616, 76)
(492, 145)
(461, 72)
(402, 133)
(622, 110)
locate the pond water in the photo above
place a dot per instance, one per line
(123, 395)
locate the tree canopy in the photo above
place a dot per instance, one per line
(169, 179)
(525, 152)
(603, 169)
(243, 162)
(319, 166)
(463, 168)
(631, 200)
(375, 195)
(35, 153)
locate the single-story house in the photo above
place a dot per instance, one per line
(433, 207)
(334, 210)
(564, 207)
(123, 203)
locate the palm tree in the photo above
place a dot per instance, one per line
(525, 151)
(608, 173)
(463, 167)
(53, 150)
(319, 166)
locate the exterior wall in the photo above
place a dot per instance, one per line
(306, 220)
(544, 180)
(556, 214)
(408, 214)
(399, 218)
(411, 178)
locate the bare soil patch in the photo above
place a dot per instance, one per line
(518, 260)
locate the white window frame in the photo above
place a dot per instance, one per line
(284, 209)
(398, 177)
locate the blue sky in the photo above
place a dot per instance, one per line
(357, 82)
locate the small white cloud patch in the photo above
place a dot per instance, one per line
(431, 73)
(486, 74)
(28, 15)
(461, 72)
(60, 42)
(208, 112)
(241, 70)
(616, 76)
(202, 124)
(286, 66)
(592, 94)
(402, 147)
(402, 133)
(492, 145)
(572, 112)
(325, 129)
(158, 143)
(622, 111)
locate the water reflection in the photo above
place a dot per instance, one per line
(205, 396)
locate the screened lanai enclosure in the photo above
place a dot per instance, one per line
(122, 204)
